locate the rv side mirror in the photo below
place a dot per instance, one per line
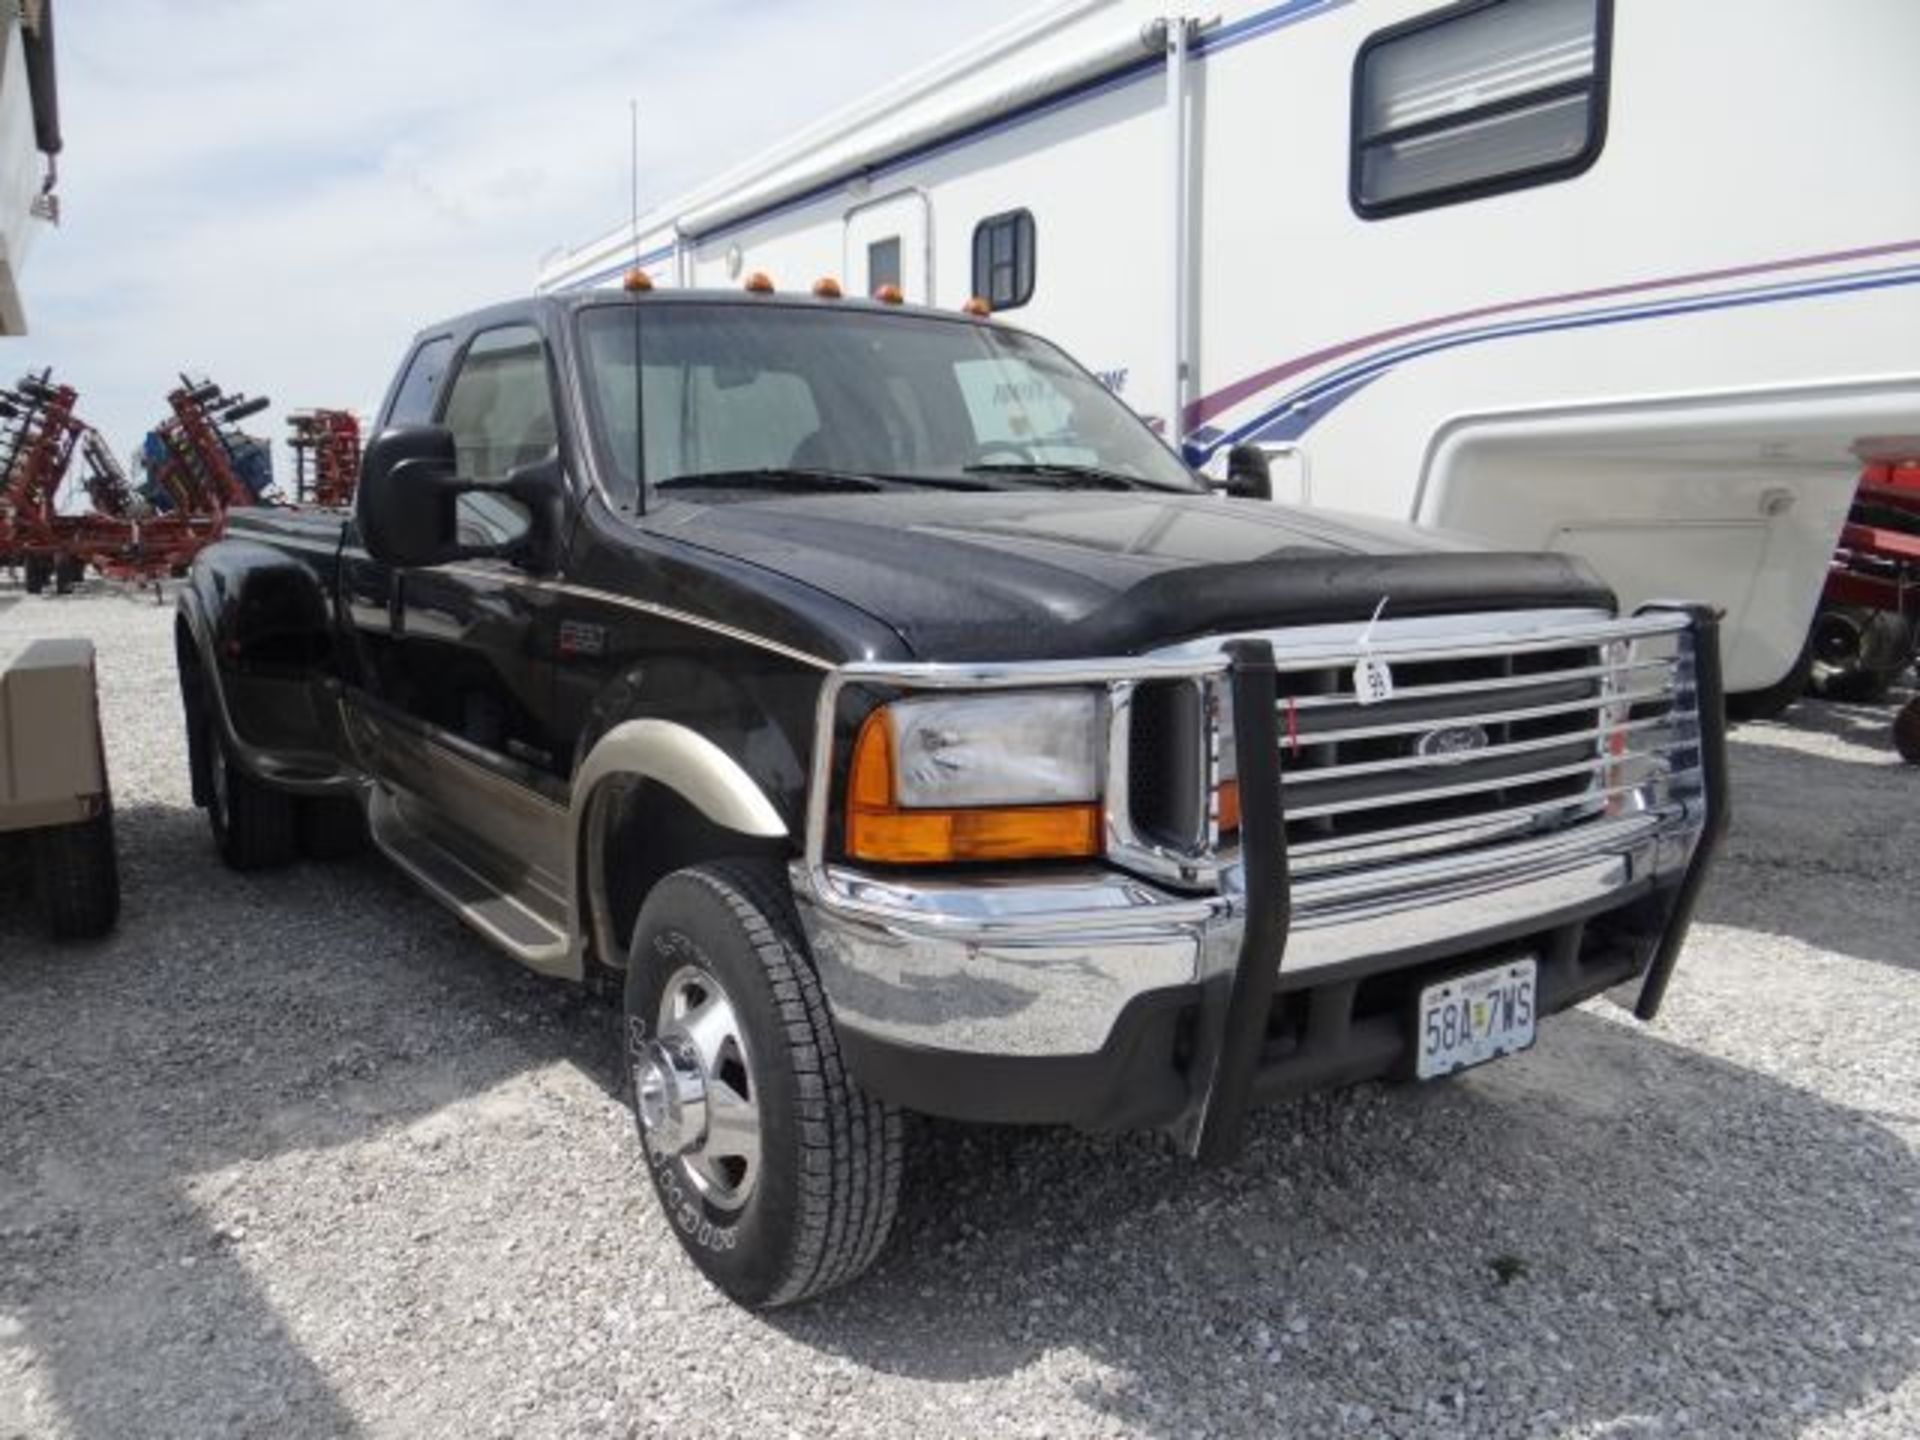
(409, 486)
(1249, 476)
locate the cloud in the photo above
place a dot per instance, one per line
(255, 191)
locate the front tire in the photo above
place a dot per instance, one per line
(778, 1175)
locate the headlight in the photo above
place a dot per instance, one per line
(985, 777)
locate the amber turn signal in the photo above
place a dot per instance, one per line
(880, 830)
(1226, 805)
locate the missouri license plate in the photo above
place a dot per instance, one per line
(1474, 1018)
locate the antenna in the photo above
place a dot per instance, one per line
(633, 172)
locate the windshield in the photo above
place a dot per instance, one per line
(758, 398)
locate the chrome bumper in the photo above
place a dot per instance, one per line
(1013, 967)
(1038, 970)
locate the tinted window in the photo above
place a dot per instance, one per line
(1478, 99)
(883, 264)
(724, 388)
(500, 407)
(1003, 259)
(413, 402)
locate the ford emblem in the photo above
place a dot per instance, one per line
(1452, 743)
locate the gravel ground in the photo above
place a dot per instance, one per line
(295, 1155)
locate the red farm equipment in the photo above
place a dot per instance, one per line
(1867, 630)
(39, 437)
(326, 456)
(197, 464)
(1865, 633)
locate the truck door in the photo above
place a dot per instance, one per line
(455, 714)
(886, 244)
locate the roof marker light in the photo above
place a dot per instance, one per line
(826, 288)
(889, 295)
(977, 305)
(636, 281)
(760, 283)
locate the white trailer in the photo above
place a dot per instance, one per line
(1638, 279)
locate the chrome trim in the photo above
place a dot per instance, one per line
(646, 607)
(1015, 965)
(1491, 717)
(1533, 680)
(1437, 637)
(1471, 757)
(1478, 787)
(1351, 849)
(1023, 962)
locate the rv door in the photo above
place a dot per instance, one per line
(887, 243)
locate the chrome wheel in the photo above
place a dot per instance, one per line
(695, 1092)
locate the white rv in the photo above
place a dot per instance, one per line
(1634, 278)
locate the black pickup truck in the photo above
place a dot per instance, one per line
(904, 727)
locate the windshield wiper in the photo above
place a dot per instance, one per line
(802, 477)
(1069, 477)
(773, 478)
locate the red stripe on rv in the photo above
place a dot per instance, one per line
(1207, 406)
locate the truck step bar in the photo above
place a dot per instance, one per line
(527, 923)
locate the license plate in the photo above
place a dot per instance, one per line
(1475, 1018)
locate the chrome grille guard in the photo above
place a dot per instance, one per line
(1648, 721)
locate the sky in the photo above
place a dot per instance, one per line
(278, 194)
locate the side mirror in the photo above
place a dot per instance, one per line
(409, 484)
(1249, 473)
(408, 504)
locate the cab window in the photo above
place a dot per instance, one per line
(413, 401)
(500, 407)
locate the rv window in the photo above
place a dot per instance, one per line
(1003, 259)
(1484, 97)
(883, 264)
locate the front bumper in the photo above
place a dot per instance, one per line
(1102, 999)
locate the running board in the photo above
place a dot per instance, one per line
(514, 921)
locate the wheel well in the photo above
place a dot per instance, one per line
(640, 831)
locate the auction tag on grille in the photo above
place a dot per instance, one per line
(1372, 681)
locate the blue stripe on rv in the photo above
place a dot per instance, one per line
(1296, 413)
(1251, 28)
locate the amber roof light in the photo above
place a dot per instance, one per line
(826, 288)
(759, 283)
(977, 305)
(636, 280)
(889, 295)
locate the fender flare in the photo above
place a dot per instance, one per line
(684, 761)
(199, 609)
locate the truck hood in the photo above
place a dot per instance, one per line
(1027, 575)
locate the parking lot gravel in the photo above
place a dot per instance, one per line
(296, 1155)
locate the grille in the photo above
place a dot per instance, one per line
(1475, 748)
(1479, 743)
